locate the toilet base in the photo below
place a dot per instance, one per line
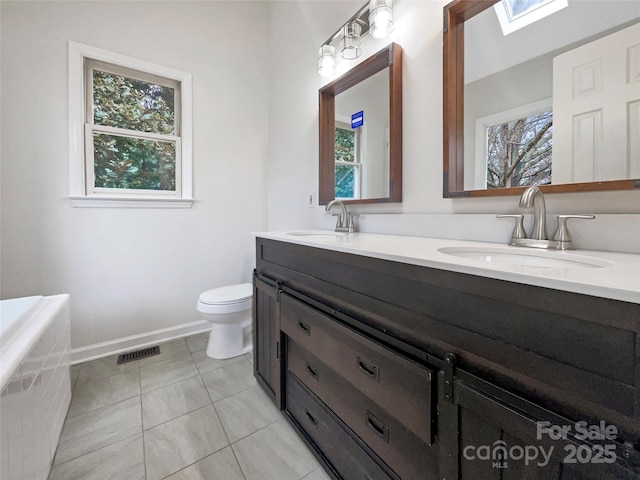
(227, 341)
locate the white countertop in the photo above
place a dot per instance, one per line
(617, 276)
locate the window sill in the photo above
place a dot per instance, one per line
(129, 202)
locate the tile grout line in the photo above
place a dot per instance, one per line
(94, 451)
(78, 382)
(242, 472)
(103, 406)
(182, 414)
(144, 451)
(131, 371)
(167, 385)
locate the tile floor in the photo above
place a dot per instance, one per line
(179, 415)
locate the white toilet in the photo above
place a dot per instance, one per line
(229, 311)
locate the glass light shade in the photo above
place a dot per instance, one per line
(380, 18)
(327, 60)
(350, 42)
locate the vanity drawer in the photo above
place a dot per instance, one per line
(396, 384)
(398, 446)
(336, 444)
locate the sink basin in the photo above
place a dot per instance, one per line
(526, 258)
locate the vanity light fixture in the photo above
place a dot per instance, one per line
(350, 42)
(380, 18)
(375, 17)
(327, 60)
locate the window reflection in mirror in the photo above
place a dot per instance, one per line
(348, 161)
(362, 145)
(519, 152)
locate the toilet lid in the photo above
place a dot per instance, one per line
(229, 294)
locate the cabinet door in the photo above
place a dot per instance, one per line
(266, 339)
(484, 437)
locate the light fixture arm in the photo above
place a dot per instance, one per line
(361, 17)
(349, 34)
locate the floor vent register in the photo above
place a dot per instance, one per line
(138, 355)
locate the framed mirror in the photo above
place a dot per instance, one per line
(361, 132)
(546, 96)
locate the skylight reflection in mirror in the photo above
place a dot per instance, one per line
(516, 14)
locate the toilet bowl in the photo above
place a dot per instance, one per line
(228, 309)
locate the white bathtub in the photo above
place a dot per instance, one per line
(35, 349)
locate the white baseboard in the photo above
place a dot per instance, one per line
(136, 342)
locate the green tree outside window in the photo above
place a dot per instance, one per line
(128, 162)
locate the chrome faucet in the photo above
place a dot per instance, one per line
(532, 197)
(345, 222)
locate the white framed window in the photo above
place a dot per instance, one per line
(348, 160)
(130, 131)
(348, 167)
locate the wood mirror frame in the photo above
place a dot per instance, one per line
(455, 14)
(389, 57)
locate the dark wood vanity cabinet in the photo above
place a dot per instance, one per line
(267, 338)
(396, 371)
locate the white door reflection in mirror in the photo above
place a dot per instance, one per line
(594, 82)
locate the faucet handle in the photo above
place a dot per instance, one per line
(562, 233)
(351, 224)
(339, 220)
(518, 229)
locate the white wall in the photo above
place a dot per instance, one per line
(131, 271)
(296, 32)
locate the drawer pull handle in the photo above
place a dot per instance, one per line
(369, 369)
(313, 372)
(305, 327)
(377, 426)
(312, 418)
